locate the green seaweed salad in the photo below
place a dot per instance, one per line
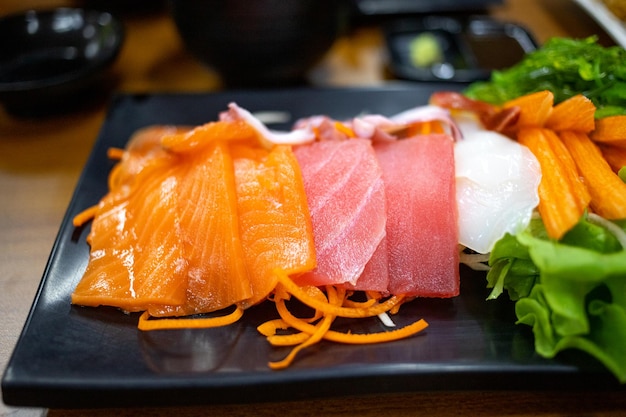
(572, 291)
(566, 67)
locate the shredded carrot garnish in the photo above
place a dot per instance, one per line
(339, 311)
(145, 323)
(341, 127)
(291, 339)
(84, 216)
(115, 153)
(425, 128)
(288, 320)
(359, 304)
(320, 330)
(334, 305)
(271, 327)
(335, 298)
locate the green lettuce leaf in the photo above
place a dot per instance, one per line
(572, 292)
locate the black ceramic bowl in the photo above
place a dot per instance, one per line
(259, 43)
(53, 60)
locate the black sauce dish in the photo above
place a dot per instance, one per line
(54, 61)
(440, 48)
(259, 43)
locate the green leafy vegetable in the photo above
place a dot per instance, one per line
(566, 67)
(572, 292)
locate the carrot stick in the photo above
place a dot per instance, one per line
(608, 191)
(611, 130)
(614, 155)
(575, 113)
(535, 108)
(562, 196)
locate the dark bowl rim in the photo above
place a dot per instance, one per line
(92, 67)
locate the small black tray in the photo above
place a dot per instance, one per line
(468, 49)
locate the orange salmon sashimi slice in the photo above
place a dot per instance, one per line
(142, 149)
(133, 238)
(181, 141)
(274, 218)
(217, 276)
(183, 233)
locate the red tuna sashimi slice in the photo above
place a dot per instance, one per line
(346, 198)
(422, 232)
(375, 276)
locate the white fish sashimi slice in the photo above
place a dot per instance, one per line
(496, 186)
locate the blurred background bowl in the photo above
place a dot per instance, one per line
(53, 60)
(259, 43)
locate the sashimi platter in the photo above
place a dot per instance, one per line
(409, 233)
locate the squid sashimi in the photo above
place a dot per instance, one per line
(346, 198)
(134, 237)
(422, 233)
(276, 229)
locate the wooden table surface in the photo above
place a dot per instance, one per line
(40, 161)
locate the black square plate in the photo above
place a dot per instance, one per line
(70, 356)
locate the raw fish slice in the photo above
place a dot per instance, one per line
(159, 243)
(422, 233)
(189, 141)
(217, 275)
(143, 148)
(134, 239)
(496, 186)
(346, 198)
(276, 229)
(375, 276)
